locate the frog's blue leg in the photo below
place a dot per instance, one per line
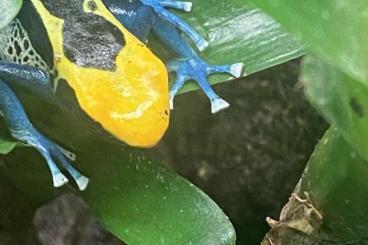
(189, 66)
(135, 16)
(141, 20)
(159, 8)
(28, 77)
(22, 129)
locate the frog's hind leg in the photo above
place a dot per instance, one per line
(22, 129)
(189, 66)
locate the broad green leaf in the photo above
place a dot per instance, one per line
(137, 199)
(342, 100)
(239, 33)
(333, 30)
(336, 180)
(6, 145)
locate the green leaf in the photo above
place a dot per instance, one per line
(333, 30)
(137, 199)
(6, 145)
(239, 33)
(336, 179)
(9, 9)
(342, 100)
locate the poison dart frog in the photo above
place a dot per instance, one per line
(98, 47)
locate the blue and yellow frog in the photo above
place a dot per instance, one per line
(98, 48)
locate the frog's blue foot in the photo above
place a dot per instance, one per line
(159, 7)
(22, 129)
(198, 70)
(51, 152)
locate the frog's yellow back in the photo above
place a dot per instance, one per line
(117, 80)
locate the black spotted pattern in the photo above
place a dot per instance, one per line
(16, 47)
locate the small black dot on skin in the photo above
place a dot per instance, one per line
(31, 52)
(25, 59)
(92, 6)
(18, 49)
(26, 44)
(10, 50)
(357, 107)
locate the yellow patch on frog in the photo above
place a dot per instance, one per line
(130, 102)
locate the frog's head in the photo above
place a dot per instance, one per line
(117, 80)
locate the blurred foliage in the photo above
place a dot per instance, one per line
(334, 183)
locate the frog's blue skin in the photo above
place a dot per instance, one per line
(146, 17)
(142, 18)
(22, 129)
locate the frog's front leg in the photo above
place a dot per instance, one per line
(22, 129)
(142, 20)
(189, 66)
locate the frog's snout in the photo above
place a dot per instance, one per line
(132, 102)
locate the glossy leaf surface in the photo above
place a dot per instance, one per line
(331, 29)
(137, 199)
(238, 32)
(343, 101)
(6, 145)
(336, 179)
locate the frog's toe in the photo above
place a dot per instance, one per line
(171, 101)
(237, 70)
(180, 5)
(51, 152)
(70, 155)
(82, 182)
(198, 70)
(62, 155)
(177, 85)
(218, 105)
(59, 179)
